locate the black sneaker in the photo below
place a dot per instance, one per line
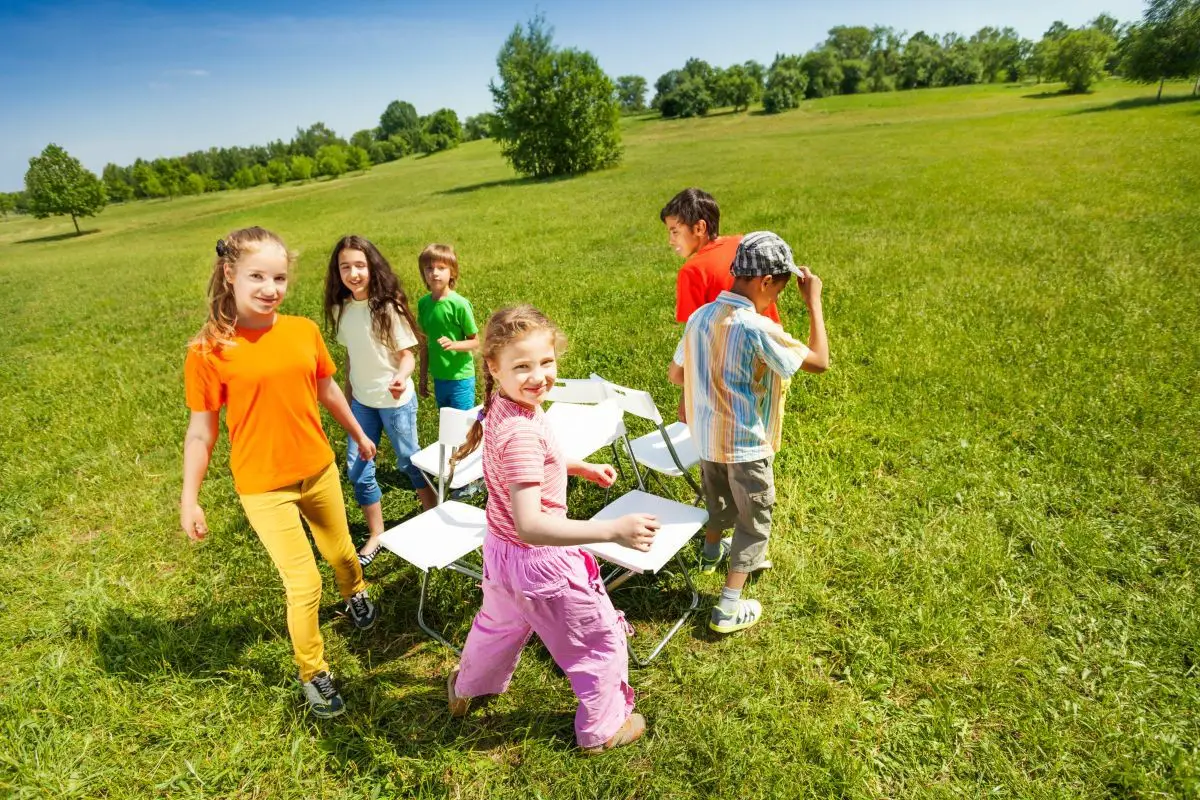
(361, 611)
(322, 696)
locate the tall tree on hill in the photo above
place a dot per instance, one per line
(850, 42)
(117, 184)
(1079, 58)
(398, 117)
(58, 185)
(478, 126)
(306, 142)
(631, 93)
(738, 88)
(556, 110)
(1165, 44)
(786, 82)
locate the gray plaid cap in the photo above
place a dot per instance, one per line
(763, 253)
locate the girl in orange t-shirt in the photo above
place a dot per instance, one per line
(270, 371)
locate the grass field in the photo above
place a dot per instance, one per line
(985, 547)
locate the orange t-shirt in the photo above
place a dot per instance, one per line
(268, 382)
(706, 274)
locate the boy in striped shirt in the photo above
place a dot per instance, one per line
(734, 365)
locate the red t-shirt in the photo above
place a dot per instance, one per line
(706, 274)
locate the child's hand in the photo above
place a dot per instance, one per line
(809, 285)
(397, 387)
(446, 342)
(191, 519)
(635, 531)
(366, 448)
(603, 475)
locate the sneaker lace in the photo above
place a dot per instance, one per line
(324, 683)
(358, 604)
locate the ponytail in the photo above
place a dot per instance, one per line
(475, 435)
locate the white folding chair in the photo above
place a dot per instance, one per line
(442, 537)
(434, 459)
(585, 419)
(669, 450)
(679, 524)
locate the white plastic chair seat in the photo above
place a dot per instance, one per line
(679, 524)
(651, 451)
(469, 470)
(583, 429)
(437, 538)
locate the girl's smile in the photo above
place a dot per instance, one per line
(526, 368)
(356, 275)
(259, 282)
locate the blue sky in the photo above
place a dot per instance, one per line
(112, 81)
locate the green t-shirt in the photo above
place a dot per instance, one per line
(451, 316)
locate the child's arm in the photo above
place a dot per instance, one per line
(538, 528)
(406, 364)
(467, 344)
(603, 475)
(330, 396)
(197, 450)
(817, 359)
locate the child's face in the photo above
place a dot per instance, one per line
(526, 368)
(356, 275)
(686, 239)
(260, 282)
(437, 276)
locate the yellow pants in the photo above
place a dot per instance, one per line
(275, 517)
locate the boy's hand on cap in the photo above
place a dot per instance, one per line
(808, 284)
(636, 531)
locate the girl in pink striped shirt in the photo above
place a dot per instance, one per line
(536, 578)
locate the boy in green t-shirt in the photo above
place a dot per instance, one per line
(450, 331)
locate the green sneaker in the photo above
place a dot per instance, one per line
(746, 614)
(706, 565)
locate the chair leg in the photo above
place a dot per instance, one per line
(633, 460)
(679, 623)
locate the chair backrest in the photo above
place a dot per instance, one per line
(454, 425)
(633, 401)
(578, 390)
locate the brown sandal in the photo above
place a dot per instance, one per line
(628, 733)
(459, 706)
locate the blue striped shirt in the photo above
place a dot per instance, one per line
(736, 368)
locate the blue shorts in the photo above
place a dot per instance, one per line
(401, 426)
(458, 394)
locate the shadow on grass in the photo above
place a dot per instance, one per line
(1139, 102)
(475, 187)
(1052, 95)
(58, 237)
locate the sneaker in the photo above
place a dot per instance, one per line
(458, 705)
(628, 733)
(746, 614)
(468, 491)
(322, 696)
(707, 566)
(361, 611)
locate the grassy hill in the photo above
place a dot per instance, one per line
(985, 546)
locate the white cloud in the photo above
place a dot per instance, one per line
(188, 73)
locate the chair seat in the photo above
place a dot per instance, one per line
(469, 470)
(679, 523)
(651, 451)
(437, 538)
(583, 429)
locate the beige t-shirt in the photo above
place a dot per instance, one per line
(372, 365)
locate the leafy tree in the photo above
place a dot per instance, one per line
(279, 172)
(960, 64)
(57, 184)
(398, 116)
(116, 184)
(244, 178)
(556, 109)
(1057, 30)
(850, 42)
(1079, 58)
(302, 167)
(824, 71)
(756, 71)
(738, 88)
(786, 83)
(854, 76)
(919, 60)
(631, 93)
(1040, 63)
(1166, 44)
(308, 141)
(999, 52)
(146, 181)
(689, 98)
(331, 160)
(357, 158)
(363, 139)
(883, 62)
(478, 126)
(7, 204)
(382, 152)
(404, 144)
(194, 184)
(444, 124)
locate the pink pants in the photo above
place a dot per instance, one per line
(556, 593)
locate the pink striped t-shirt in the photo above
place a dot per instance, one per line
(519, 447)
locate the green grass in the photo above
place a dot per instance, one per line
(985, 542)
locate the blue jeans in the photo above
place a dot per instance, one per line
(458, 394)
(401, 426)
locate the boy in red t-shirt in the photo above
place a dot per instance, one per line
(693, 221)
